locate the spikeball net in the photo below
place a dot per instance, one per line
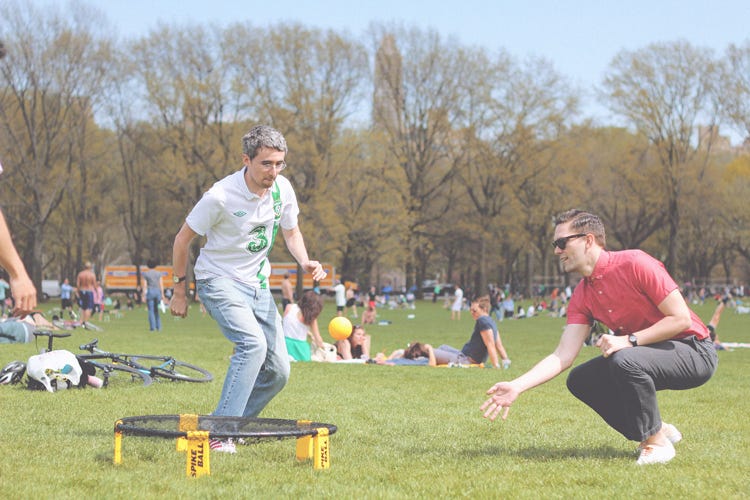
(193, 432)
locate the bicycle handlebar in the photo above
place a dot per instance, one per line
(90, 346)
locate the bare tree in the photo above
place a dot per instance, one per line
(414, 108)
(52, 81)
(530, 105)
(666, 91)
(735, 87)
(308, 83)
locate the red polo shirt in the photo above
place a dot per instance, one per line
(624, 292)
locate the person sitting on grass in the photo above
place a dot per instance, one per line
(484, 342)
(368, 317)
(415, 354)
(300, 321)
(356, 346)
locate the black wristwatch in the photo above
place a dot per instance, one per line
(633, 340)
(178, 280)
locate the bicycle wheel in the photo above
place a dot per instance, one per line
(173, 369)
(117, 374)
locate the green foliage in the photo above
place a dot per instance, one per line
(410, 154)
(403, 432)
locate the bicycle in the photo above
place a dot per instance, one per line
(141, 368)
(154, 366)
(110, 373)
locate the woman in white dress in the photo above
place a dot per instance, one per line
(458, 303)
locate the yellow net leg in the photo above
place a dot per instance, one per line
(304, 443)
(304, 448)
(182, 444)
(198, 454)
(321, 449)
(188, 422)
(118, 447)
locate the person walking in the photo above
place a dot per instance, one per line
(656, 343)
(458, 303)
(340, 295)
(154, 295)
(66, 296)
(239, 216)
(85, 284)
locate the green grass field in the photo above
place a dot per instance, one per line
(403, 432)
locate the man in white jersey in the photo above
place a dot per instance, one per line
(239, 216)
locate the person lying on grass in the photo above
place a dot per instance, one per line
(415, 354)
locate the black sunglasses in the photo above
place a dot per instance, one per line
(561, 243)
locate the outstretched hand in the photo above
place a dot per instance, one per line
(502, 396)
(316, 269)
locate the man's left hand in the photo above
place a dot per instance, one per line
(610, 344)
(316, 269)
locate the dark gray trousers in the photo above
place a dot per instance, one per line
(622, 388)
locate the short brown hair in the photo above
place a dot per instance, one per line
(482, 303)
(583, 222)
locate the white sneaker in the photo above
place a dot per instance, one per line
(653, 454)
(223, 446)
(671, 433)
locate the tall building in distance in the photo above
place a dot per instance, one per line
(388, 98)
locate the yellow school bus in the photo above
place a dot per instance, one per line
(124, 278)
(279, 269)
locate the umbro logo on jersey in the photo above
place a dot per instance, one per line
(239, 213)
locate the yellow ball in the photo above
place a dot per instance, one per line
(340, 328)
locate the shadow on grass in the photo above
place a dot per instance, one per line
(547, 454)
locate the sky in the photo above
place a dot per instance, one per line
(579, 37)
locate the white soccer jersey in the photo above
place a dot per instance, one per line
(239, 227)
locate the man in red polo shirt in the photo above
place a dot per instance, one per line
(655, 342)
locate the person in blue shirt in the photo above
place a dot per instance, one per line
(4, 287)
(66, 295)
(484, 342)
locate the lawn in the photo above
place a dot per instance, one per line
(403, 432)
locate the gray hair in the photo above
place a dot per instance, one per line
(583, 222)
(262, 136)
(2, 49)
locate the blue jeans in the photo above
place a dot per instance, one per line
(259, 367)
(153, 297)
(622, 388)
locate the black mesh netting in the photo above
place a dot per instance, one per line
(169, 426)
